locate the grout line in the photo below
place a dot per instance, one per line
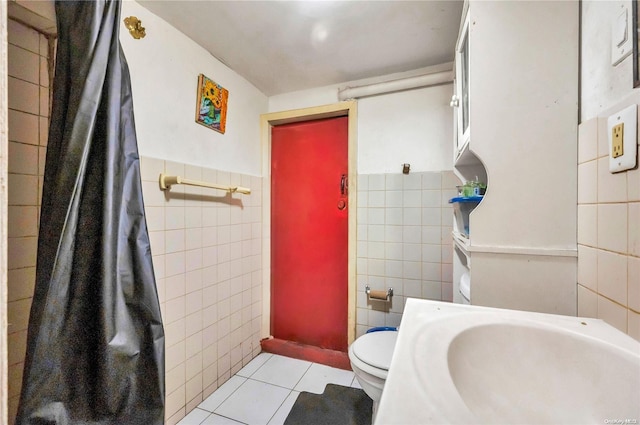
(227, 417)
(624, 254)
(260, 367)
(280, 406)
(291, 390)
(227, 397)
(626, 307)
(30, 82)
(280, 386)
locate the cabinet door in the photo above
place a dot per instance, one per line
(462, 85)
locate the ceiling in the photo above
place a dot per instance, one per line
(285, 46)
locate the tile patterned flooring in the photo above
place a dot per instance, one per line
(264, 391)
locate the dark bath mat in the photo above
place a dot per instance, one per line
(338, 405)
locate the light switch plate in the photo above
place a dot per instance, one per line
(621, 31)
(628, 117)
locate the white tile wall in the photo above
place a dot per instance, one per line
(401, 223)
(28, 128)
(608, 234)
(206, 249)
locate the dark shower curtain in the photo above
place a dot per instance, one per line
(95, 347)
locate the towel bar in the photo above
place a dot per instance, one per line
(167, 181)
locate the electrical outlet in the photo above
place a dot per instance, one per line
(617, 140)
(623, 141)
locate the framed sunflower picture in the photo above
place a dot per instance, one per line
(211, 110)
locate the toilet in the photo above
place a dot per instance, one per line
(370, 357)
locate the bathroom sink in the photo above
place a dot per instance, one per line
(504, 372)
(468, 364)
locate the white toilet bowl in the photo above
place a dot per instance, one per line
(370, 357)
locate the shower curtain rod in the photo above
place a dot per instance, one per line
(167, 181)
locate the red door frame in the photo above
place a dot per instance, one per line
(347, 108)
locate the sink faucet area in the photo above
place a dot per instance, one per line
(464, 364)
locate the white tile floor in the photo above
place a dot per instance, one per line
(263, 392)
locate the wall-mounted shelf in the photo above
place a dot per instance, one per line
(461, 241)
(462, 208)
(468, 166)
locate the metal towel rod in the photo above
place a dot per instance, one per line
(167, 181)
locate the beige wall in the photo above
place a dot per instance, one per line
(417, 125)
(608, 204)
(166, 58)
(608, 233)
(601, 84)
(4, 133)
(28, 126)
(207, 258)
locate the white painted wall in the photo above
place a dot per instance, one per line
(164, 70)
(413, 126)
(603, 85)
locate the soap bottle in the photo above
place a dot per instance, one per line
(480, 187)
(475, 188)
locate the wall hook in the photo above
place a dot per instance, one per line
(405, 168)
(134, 25)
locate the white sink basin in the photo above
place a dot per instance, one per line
(467, 364)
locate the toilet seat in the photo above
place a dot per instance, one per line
(370, 357)
(375, 349)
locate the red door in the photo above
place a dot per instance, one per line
(309, 232)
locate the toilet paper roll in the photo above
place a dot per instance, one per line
(378, 295)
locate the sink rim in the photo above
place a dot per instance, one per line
(438, 338)
(443, 403)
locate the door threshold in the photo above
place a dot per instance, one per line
(296, 350)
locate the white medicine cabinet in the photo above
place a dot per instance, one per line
(460, 99)
(515, 110)
(467, 166)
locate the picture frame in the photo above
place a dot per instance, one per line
(211, 105)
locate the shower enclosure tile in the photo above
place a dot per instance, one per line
(24, 96)
(23, 128)
(23, 36)
(24, 158)
(23, 221)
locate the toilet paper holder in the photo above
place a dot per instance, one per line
(379, 295)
